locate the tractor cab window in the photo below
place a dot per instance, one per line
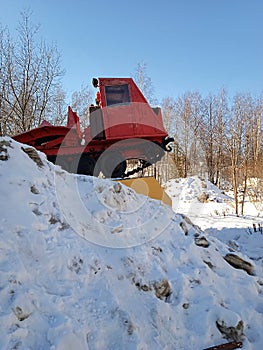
(117, 94)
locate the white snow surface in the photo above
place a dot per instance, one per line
(83, 261)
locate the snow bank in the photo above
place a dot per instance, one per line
(87, 263)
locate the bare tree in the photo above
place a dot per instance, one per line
(186, 133)
(255, 136)
(4, 110)
(144, 82)
(57, 108)
(251, 167)
(169, 114)
(80, 100)
(237, 143)
(207, 131)
(32, 71)
(213, 116)
(222, 112)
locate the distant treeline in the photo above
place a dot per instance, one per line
(217, 137)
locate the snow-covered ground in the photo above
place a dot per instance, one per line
(216, 214)
(86, 263)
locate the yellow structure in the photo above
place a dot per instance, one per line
(148, 186)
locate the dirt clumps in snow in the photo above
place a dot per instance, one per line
(33, 154)
(231, 332)
(162, 289)
(202, 242)
(239, 263)
(203, 198)
(3, 149)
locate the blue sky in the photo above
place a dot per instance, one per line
(187, 45)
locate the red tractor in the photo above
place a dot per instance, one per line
(122, 127)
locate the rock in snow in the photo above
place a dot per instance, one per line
(86, 264)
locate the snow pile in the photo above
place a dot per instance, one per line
(191, 190)
(88, 264)
(207, 205)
